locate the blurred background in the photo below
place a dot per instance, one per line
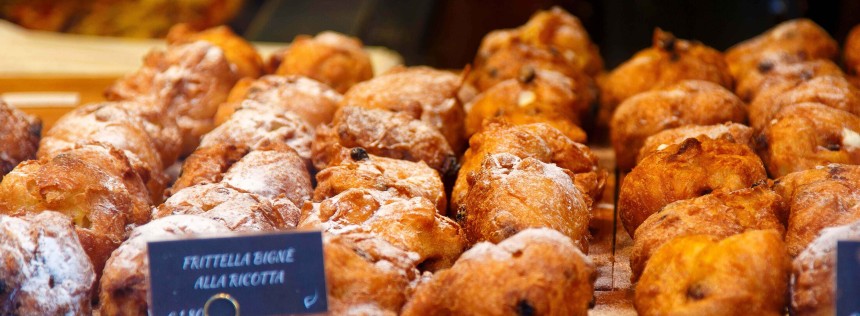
(440, 33)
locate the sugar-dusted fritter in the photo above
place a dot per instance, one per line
(720, 215)
(783, 75)
(19, 137)
(382, 133)
(239, 52)
(509, 194)
(805, 135)
(818, 198)
(538, 271)
(540, 141)
(688, 102)
(558, 30)
(311, 100)
(332, 58)
(813, 277)
(733, 132)
(422, 92)
(746, 274)
(534, 96)
(411, 224)
(362, 170)
(94, 185)
(668, 61)
(790, 41)
(690, 169)
(833, 91)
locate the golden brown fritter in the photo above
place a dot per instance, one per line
(683, 171)
(238, 51)
(362, 170)
(557, 29)
(746, 274)
(503, 54)
(790, 41)
(833, 91)
(688, 102)
(851, 52)
(818, 198)
(187, 81)
(271, 170)
(411, 224)
(382, 133)
(510, 194)
(239, 211)
(805, 135)
(539, 141)
(668, 61)
(124, 287)
(331, 58)
(782, 76)
(309, 99)
(44, 270)
(94, 185)
(535, 96)
(19, 137)
(733, 132)
(813, 277)
(256, 123)
(117, 125)
(366, 275)
(422, 92)
(538, 271)
(720, 215)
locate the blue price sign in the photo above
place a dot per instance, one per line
(266, 274)
(848, 278)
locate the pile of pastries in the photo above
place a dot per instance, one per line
(451, 193)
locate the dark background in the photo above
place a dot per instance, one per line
(446, 33)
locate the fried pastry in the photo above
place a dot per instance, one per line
(745, 274)
(239, 211)
(257, 123)
(362, 170)
(559, 30)
(783, 75)
(19, 137)
(238, 51)
(833, 91)
(683, 171)
(332, 58)
(510, 194)
(806, 135)
(818, 198)
(539, 141)
(668, 61)
(311, 100)
(790, 41)
(382, 133)
(535, 96)
(124, 285)
(851, 53)
(187, 81)
(44, 270)
(733, 132)
(720, 215)
(271, 171)
(411, 224)
(422, 92)
(688, 102)
(366, 275)
(94, 185)
(538, 271)
(813, 276)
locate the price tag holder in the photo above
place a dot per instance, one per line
(848, 278)
(265, 274)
